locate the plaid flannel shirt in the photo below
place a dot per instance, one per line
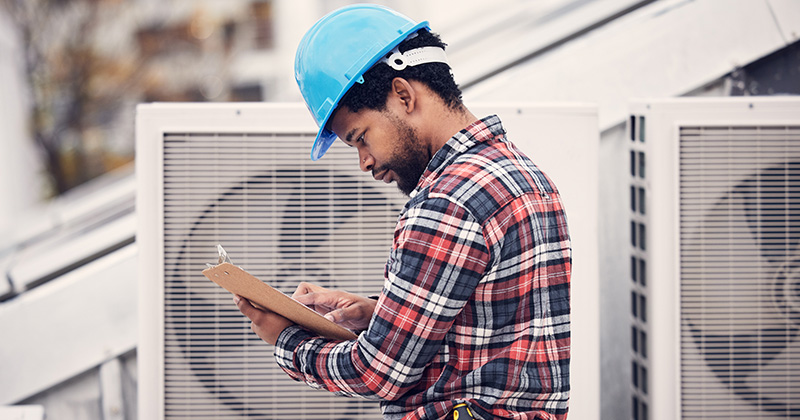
(475, 306)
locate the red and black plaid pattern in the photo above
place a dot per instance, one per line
(475, 306)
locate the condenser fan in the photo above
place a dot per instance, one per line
(740, 287)
(284, 226)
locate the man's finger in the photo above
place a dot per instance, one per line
(245, 307)
(305, 288)
(321, 302)
(341, 315)
(308, 299)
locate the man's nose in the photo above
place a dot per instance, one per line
(365, 161)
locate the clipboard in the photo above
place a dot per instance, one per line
(244, 284)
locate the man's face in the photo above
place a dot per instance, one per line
(387, 146)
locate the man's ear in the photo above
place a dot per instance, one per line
(404, 93)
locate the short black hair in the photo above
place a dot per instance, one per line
(377, 84)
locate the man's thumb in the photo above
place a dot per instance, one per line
(330, 316)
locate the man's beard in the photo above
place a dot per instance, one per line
(410, 158)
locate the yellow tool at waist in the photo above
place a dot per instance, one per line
(462, 412)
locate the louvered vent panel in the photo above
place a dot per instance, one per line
(740, 272)
(283, 218)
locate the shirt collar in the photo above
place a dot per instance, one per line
(478, 132)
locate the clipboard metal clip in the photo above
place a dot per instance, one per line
(223, 257)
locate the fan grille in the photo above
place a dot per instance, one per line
(739, 275)
(283, 218)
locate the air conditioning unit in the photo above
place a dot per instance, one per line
(715, 258)
(239, 175)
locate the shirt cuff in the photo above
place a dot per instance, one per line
(288, 341)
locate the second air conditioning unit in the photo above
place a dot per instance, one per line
(715, 258)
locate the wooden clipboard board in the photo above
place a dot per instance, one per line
(244, 284)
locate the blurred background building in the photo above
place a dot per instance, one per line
(74, 70)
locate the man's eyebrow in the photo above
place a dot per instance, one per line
(349, 137)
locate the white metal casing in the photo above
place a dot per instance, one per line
(664, 120)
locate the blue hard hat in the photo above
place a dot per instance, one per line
(335, 53)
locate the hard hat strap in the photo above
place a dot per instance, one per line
(415, 57)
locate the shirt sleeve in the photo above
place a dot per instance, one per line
(438, 258)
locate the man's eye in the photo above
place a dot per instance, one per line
(360, 139)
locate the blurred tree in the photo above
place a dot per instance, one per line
(88, 63)
(75, 90)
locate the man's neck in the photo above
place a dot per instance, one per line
(447, 124)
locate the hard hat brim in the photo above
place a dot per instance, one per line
(324, 141)
(326, 138)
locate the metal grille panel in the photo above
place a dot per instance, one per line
(283, 218)
(740, 272)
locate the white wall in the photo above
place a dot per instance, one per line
(19, 182)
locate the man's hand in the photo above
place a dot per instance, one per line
(266, 324)
(346, 309)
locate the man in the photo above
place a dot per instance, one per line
(474, 312)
